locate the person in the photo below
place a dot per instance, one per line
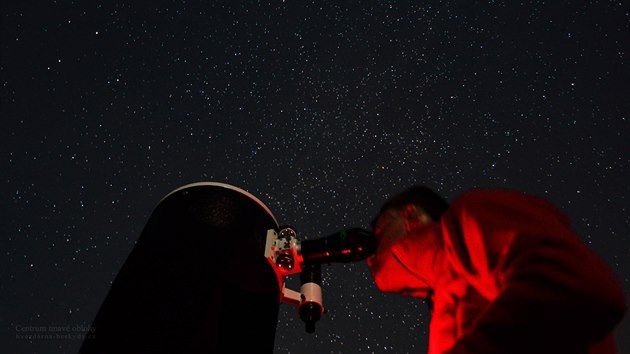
(501, 270)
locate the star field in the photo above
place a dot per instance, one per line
(321, 110)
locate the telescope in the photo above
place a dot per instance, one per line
(211, 263)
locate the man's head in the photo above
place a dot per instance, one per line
(422, 198)
(409, 212)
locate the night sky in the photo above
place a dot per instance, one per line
(321, 110)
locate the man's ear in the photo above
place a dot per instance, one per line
(415, 217)
(410, 214)
(410, 211)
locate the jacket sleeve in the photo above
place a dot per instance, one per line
(548, 291)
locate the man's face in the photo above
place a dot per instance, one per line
(389, 227)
